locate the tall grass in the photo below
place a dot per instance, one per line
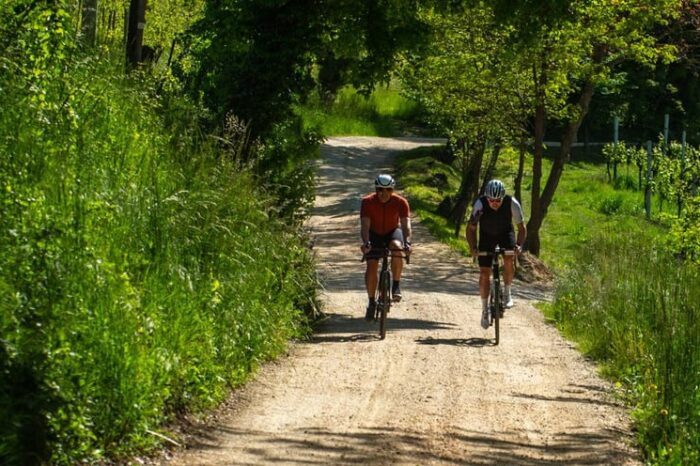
(634, 307)
(141, 272)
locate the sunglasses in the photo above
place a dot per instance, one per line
(384, 189)
(495, 201)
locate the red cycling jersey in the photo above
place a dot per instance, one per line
(384, 216)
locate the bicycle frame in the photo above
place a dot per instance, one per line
(383, 291)
(496, 304)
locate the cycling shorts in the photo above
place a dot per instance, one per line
(487, 243)
(379, 242)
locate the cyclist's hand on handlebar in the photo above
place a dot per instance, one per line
(407, 248)
(518, 249)
(474, 252)
(366, 247)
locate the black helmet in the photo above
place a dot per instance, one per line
(384, 181)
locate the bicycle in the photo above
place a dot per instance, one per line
(496, 306)
(383, 292)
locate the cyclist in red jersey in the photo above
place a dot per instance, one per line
(385, 222)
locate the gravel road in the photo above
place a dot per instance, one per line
(435, 391)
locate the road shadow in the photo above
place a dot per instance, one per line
(341, 328)
(382, 445)
(473, 342)
(580, 398)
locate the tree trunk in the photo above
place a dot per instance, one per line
(536, 218)
(532, 243)
(493, 160)
(517, 189)
(136, 23)
(472, 160)
(88, 26)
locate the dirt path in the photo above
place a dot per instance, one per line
(435, 392)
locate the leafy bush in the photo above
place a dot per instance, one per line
(611, 205)
(684, 236)
(625, 182)
(142, 272)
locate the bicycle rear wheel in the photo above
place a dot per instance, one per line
(385, 302)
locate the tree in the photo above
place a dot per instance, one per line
(256, 58)
(572, 48)
(641, 94)
(467, 85)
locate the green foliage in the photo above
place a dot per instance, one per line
(684, 236)
(255, 58)
(285, 164)
(625, 182)
(455, 76)
(674, 170)
(639, 317)
(254, 61)
(645, 93)
(143, 271)
(427, 182)
(615, 153)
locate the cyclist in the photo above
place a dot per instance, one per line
(495, 213)
(385, 222)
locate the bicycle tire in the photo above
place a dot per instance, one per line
(385, 300)
(496, 310)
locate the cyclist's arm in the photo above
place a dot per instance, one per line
(406, 229)
(364, 229)
(471, 237)
(473, 221)
(522, 233)
(519, 218)
(516, 211)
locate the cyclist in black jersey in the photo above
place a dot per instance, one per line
(495, 212)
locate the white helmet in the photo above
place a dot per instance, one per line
(384, 181)
(495, 189)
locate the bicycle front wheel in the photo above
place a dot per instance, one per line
(385, 300)
(496, 310)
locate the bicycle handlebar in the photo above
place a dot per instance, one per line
(500, 252)
(386, 252)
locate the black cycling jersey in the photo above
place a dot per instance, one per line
(494, 222)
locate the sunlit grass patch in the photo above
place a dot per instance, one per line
(383, 113)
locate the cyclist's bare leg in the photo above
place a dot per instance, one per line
(484, 288)
(371, 277)
(396, 262)
(508, 270)
(484, 282)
